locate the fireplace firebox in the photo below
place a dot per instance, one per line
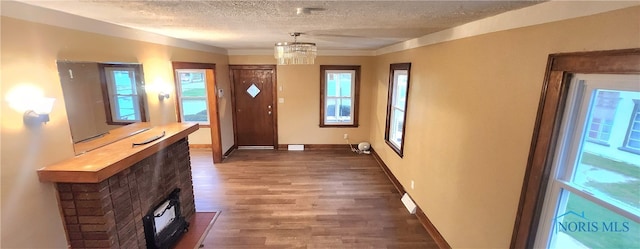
(164, 224)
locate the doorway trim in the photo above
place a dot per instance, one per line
(560, 68)
(274, 81)
(214, 123)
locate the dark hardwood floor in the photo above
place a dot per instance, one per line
(310, 199)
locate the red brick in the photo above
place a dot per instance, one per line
(63, 187)
(75, 235)
(67, 204)
(86, 196)
(71, 219)
(92, 228)
(91, 220)
(84, 187)
(89, 211)
(73, 228)
(97, 243)
(69, 211)
(88, 204)
(96, 236)
(77, 244)
(65, 196)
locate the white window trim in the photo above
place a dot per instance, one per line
(113, 95)
(393, 119)
(337, 120)
(181, 98)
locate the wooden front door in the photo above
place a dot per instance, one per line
(254, 95)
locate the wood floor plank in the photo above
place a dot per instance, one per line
(309, 199)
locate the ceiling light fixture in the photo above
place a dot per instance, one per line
(295, 53)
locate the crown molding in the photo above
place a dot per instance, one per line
(547, 12)
(24, 11)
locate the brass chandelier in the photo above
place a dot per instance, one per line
(295, 53)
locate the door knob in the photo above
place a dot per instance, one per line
(269, 112)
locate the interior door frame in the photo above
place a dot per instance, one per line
(214, 118)
(274, 101)
(555, 89)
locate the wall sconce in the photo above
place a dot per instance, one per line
(163, 95)
(40, 112)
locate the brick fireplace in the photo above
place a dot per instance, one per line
(108, 214)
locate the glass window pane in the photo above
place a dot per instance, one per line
(330, 111)
(332, 86)
(580, 223)
(125, 108)
(608, 173)
(123, 82)
(345, 85)
(400, 90)
(195, 110)
(634, 144)
(345, 109)
(192, 88)
(397, 121)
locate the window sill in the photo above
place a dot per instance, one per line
(394, 148)
(122, 123)
(598, 142)
(199, 124)
(338, 125)
(630, 150)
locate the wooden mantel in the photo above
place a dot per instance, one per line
(102, 163)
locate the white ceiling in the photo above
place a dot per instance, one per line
(355, 25)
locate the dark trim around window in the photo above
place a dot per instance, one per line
(392, 68)
(142, 98)
(356, 94)
(560, 68)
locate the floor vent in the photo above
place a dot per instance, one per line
(408, 203)
(295, 147)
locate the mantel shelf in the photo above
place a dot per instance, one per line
(102, 163)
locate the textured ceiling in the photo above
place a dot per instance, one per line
(259, 24)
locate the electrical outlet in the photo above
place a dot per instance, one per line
(346, 136)
(412, 184)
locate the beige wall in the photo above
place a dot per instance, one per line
(471, 111)
(29, 54)
(299, 115)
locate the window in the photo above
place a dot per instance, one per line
(548, 133)
(339, 93)
(397, 106)
(121, 85)
(632, 140)
(593, 196)
(192, 95)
